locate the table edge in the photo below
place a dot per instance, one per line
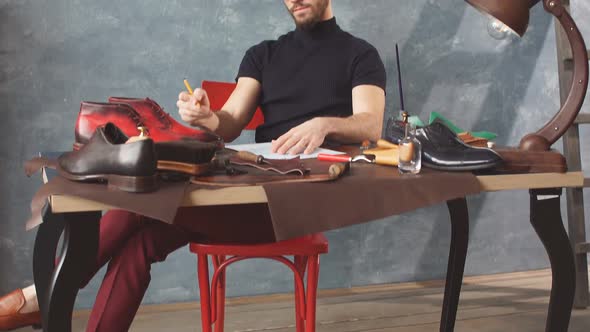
(256, 194)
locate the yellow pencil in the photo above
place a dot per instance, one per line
(188, 87)
(190, 90)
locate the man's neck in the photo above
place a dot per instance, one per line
(327, 14)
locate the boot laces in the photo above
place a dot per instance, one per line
(137, 119)
(160, 112)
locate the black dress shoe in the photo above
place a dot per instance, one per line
(443, 150)
(128, 167)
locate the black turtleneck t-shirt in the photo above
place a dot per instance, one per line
(309, 73)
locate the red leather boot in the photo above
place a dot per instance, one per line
(156, 118)
(93, 115)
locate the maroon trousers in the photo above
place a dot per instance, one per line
(130, 243)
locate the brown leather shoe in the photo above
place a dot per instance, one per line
(11, 318)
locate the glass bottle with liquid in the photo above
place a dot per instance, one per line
(410, 149)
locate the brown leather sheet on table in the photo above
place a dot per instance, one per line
(368, 192)
(161, 204)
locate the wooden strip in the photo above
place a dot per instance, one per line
(185, 168)
(569, 62)
(583, 118)
(229, 195)
(564, 66)
(63, 203)
(531, 181)
(571, 148)
(582, 248)
(575, 213)
(201, 197)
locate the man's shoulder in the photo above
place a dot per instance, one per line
(270, 44)
(358, 44)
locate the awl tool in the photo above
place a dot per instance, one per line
(384, 156)
(249, 156)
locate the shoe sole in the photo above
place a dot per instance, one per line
(460, 168)
(134, 184)
(190, 169)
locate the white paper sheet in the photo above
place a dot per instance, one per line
(264, 149)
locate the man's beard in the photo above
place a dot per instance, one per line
(317, 12)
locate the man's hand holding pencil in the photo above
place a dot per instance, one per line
(194, 108)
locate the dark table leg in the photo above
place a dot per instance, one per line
(44, 254)
(59, 281)
(546, 220)
(456, 265)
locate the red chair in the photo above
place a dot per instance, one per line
(219, 92)
(305, 250)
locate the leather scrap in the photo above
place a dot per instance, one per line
(316, 171)
(34, 165)
(370, 192)
(161, 204)
(281, 166)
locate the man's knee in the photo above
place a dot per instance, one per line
(154, 241)
(120, 222)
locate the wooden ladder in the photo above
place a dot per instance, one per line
(571, 149)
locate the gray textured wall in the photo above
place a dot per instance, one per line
(54, 54)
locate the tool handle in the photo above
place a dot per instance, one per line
(334, 157)
(385, 156)
(249, 156)
(336, 170)
(381, 143)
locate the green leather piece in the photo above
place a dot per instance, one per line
(481, 134)
(484, 134)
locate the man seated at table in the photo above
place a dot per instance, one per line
(314, 83)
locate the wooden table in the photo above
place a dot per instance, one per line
(57, 283)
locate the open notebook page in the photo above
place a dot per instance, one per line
(264, 149)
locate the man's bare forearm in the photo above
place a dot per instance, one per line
(355, 128)
(225, 125)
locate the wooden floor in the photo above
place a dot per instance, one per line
(504, 303)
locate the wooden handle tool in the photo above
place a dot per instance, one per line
(388, 156)
(251, 157)
(336, 170)
(384, 144)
